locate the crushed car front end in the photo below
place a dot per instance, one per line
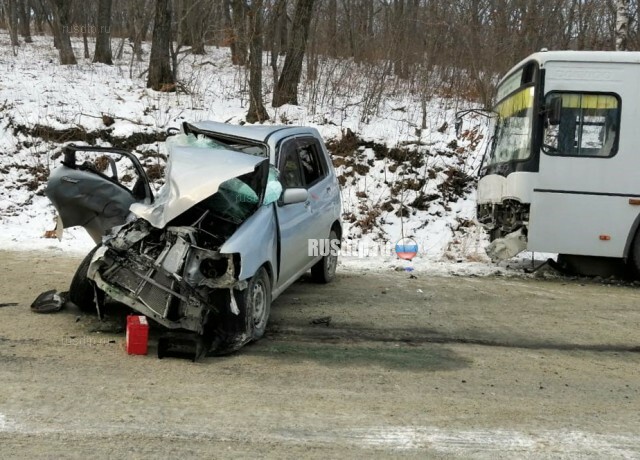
(186, 257)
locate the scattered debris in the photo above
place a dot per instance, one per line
(49, 302)
(8, 304)
(326, 320)
(178, 345)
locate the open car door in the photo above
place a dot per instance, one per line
(94, 188)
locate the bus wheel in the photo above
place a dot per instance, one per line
(634, 256)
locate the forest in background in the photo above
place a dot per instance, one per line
(449, 48)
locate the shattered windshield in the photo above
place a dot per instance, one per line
(195, 138)
(514, 127)
(236, 200)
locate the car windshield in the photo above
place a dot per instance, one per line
(514, 127)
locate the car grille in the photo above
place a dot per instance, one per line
(151, 295)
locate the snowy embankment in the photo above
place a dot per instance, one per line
(398, 180)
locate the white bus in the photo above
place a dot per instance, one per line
(563, 172)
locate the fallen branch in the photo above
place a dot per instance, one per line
(139, 123)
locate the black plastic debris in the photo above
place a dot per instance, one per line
(177, 345)
(49, 302)
(325, 320)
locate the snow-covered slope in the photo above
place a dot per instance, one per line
(398, 180)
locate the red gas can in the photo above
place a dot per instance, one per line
(137, 334)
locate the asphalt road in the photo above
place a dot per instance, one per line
(420, 367)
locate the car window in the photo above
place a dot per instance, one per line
(310, 167)
(302, 163)
(290, 175)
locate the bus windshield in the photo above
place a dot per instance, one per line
(514, 127)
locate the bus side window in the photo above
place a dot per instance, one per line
(588, 126)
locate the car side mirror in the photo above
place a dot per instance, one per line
(554, 109)
(294, 195)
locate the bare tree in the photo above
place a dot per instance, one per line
(257, 112)
(622, 24)
(286, 90)
(138, 15)
(191, 25)
(238, 30)
(103, 38)
(12, 23)
(161, 77)
(39, 14)
(277, 34)
(24, 12)
(61, 25)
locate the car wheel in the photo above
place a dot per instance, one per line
(257, 303)
(228, 332)
(81, 290)
(325, 270)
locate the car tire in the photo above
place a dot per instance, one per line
(82, 289)
(228, 332)
(256, 302)
(324, 271)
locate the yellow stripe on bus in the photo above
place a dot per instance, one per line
(519, 101)
(589, 101)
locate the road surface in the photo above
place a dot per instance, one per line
(484, 367)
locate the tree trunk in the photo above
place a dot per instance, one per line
(333, 28)
(138, 22)
(85, 34)
(160, 74)
(622, 25)
(85, 39)
(286, 90)
(279, 11)
(283, 28)
(12, 23)
(61, 19)
(103, 38)
(24, 11)
(193, 25)
(40, 14)
(257, 112)
(229, 36)
(239, 37)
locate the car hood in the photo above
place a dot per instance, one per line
(194, 174)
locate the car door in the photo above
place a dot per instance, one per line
(321, 185)
(295, 221)
(94, 189)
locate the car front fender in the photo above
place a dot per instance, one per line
(256, 243)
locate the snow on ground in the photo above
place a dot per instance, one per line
(419, 184)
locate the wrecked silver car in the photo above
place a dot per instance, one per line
(225, 235)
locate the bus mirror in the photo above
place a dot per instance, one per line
(554, 109)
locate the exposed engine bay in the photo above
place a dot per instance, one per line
(500, 219)
(506, 223)
(177, 276)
